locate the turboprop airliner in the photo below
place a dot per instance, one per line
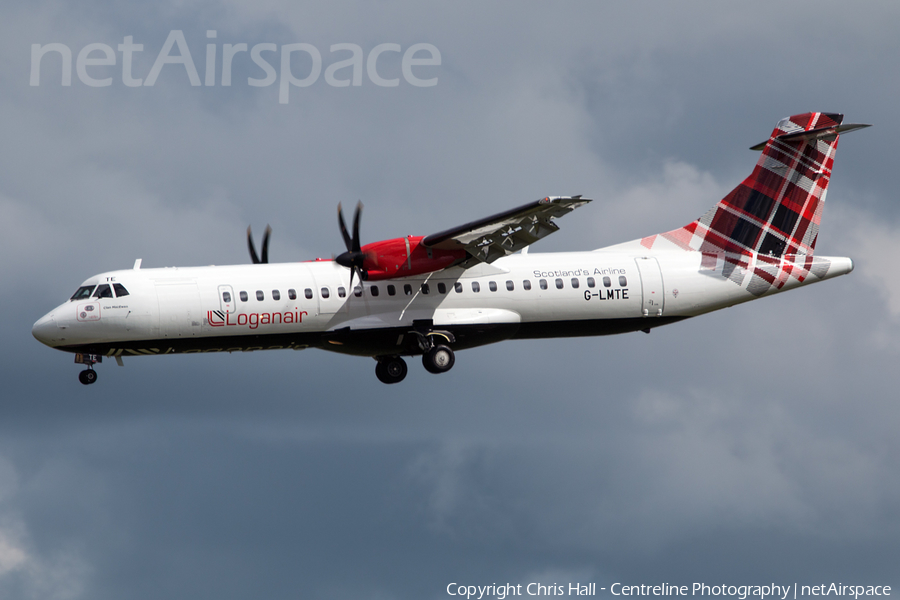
(431, 296)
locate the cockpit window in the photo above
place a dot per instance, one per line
(82, 292)
(103, 291)
(120, 290)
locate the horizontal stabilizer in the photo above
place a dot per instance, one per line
(826, 133)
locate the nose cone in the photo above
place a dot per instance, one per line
(45, 330)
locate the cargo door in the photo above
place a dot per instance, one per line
(179, 309)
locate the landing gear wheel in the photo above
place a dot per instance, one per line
(439, 359)
(87, 376)
(391, 370)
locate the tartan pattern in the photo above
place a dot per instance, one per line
(768, 225)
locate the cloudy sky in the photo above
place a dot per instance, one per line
(751, 446)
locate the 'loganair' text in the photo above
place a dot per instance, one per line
(253, 320)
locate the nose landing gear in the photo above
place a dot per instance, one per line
(89, 375)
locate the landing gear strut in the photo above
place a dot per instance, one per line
(391, 369)
(89, 375)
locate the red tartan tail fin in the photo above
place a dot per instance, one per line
(776, 211)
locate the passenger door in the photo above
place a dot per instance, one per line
(651, 286)
(227, 301)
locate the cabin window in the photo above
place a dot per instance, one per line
(82, 292)
(543, 283)
(458, 287)
(226, 297)
(260, 295)
(120, 290)
(244, 296)
(575, 283)
(407, 289)
(308, 293)
(425, 288)
(374, 290)
(392, 291)
(622, 281)
(492, 285)
(559, 284)
(476, 287)
(526, 284)
(442, 287)
(276, 295)
(607, 282)
(591, 283)
(292, 294)
(510, 285)
(357, 291)
(103, 291)
(325, 292)
(342, 292)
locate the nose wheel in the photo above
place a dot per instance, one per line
(88, 376)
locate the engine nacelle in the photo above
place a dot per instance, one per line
(402, 257)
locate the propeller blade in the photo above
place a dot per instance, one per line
(265, 245)
(253, 255)
(356, 218)
(353, 258)
(360, 273)
(347, 241)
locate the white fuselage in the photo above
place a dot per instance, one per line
(298, 305)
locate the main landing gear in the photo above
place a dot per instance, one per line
(89, 375)
(436, 358)
(391, 369)
(439, 359)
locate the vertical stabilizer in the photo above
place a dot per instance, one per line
(776, 211)
(763, 233)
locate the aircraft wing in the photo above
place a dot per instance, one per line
(490, 238)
